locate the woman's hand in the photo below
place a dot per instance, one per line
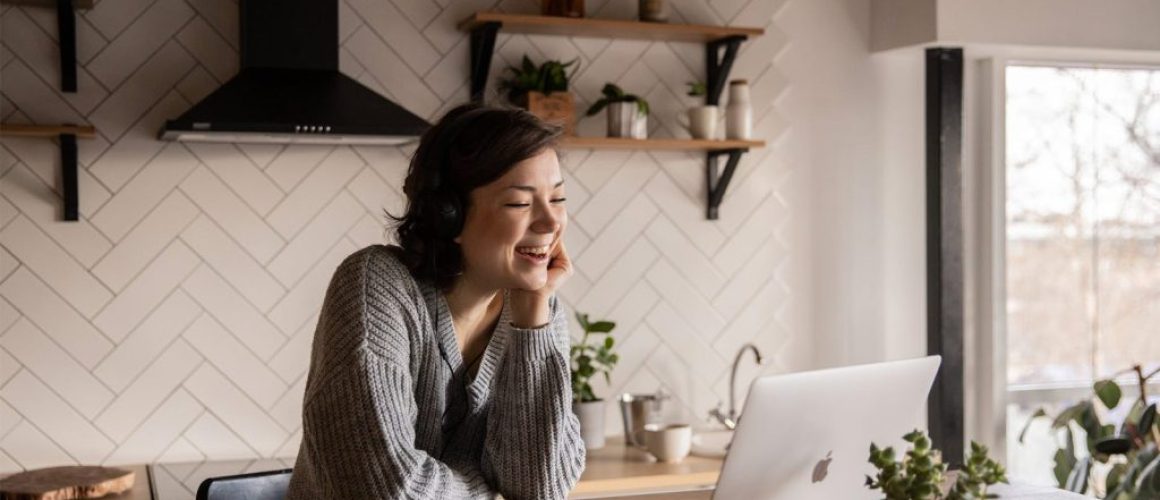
(530, 307)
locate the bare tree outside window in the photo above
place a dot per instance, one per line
(1083, 239)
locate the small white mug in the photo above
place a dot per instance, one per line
(701, 122)
(668, 443)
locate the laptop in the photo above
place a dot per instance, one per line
(807, 435)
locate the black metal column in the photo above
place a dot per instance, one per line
(944, 246)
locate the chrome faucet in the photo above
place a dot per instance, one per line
(729, 420)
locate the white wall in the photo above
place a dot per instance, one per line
(858, 122)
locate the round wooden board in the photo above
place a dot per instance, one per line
(65, 483)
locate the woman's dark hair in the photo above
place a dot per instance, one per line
(471, 146)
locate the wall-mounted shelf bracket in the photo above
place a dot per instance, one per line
(66, 136)
(717, 184)
(717, 66)
(66, 28)
(68, 174)
(482, 47)
(66, 31)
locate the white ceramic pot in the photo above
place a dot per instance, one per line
(591, 415)
(624, 120)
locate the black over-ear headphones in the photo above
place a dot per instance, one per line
(443, 203)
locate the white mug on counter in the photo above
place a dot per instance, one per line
(668, 443)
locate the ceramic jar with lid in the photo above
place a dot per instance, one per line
(738, 113)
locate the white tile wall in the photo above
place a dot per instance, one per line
(174, 320)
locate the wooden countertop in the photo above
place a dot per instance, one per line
(616, 470)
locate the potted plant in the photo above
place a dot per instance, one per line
(702, 120)
(1132, 449)
(543, 90)
(587, 360)
(627, 113)
(565, 8)
(922, 475)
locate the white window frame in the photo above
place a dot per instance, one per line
(985, 228)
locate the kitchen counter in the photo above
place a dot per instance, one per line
(612, 472)
(616, 470)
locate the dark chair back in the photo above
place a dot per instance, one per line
(268, 485)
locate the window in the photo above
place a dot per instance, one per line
(1082, 239)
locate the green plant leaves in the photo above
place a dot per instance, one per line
(920, 473)
(587, 360)
(613, 93)
(551, 76)
(1039, 412)
(1147, 419)
(1148, 483)
(1115, 477)
(1109, 393)
(1077, 479)
(602, 327)
(697, 89)
(1114, 445)
(1065, 459)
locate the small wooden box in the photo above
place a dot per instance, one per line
(557, 108)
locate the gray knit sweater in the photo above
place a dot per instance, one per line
(391, 412)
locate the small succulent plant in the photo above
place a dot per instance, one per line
(697, 89)
(921, 472)
(613, 93)
(551, 76)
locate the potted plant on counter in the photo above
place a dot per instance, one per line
(587, 360)
(627, 113)
(543, 90)
(922, 475)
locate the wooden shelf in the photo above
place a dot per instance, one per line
(77, 4)
(81, 131)
(657, 144)
(605, 28)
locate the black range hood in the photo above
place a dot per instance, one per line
(289, 89)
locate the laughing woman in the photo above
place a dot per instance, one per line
(439, 367)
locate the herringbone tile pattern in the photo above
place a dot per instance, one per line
(173, 322)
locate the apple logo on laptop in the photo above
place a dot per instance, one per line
(822, 468)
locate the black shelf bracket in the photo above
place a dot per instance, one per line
(66, 27)
(482, 47)
(717, 184)
(68, 175)
(717, 67)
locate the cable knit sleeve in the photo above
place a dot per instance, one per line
(359, 411)
(533, 447)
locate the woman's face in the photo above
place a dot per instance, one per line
(514, 224)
